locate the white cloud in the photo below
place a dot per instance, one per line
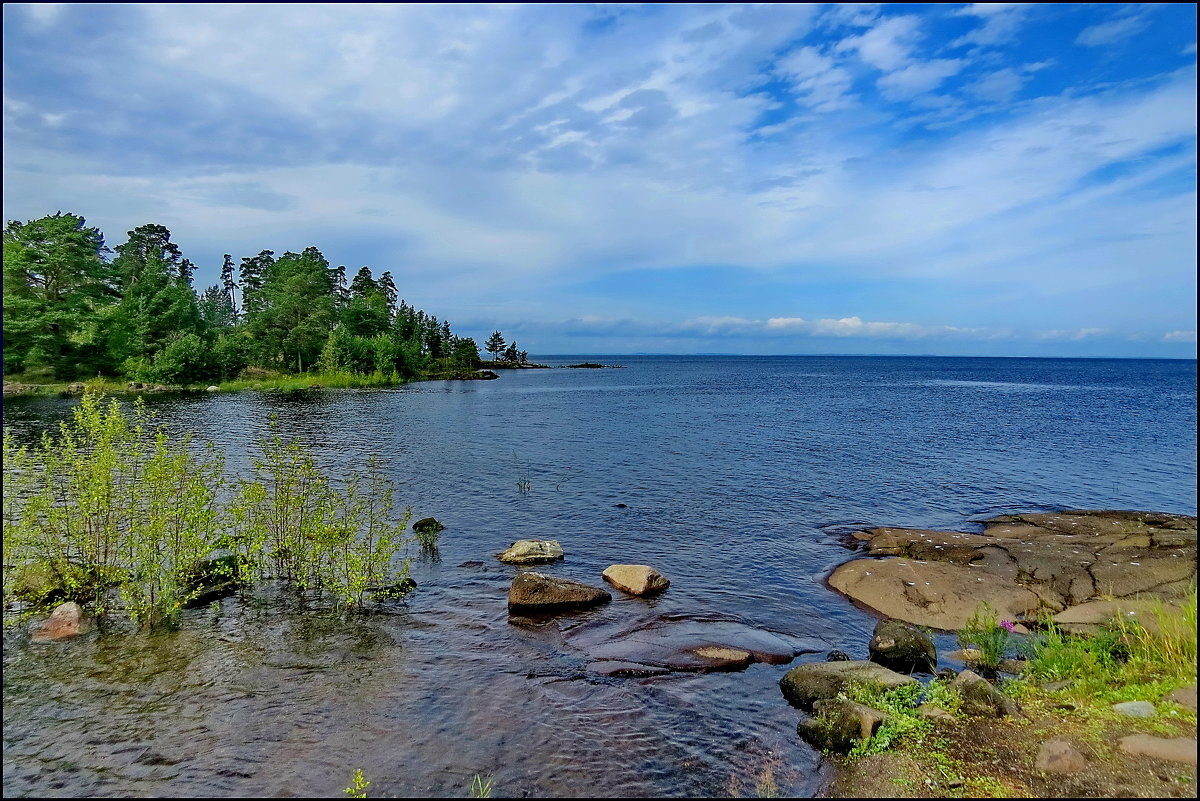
(998, 86)
(918, 78)
(1110, 32)
(814, 76)
(1001, 21)
(1179, 336)
(888, 45)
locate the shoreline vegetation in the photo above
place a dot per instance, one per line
(128, 319)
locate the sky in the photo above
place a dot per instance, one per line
(981, 179)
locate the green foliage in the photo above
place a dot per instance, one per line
(904, 725)
(1124, 661)
(113, 501)
(291, 522)
(358, 785)
(427, 531)
(55, 284)
(481, 787)
(69, 313)
(986, 633)
(185, 360)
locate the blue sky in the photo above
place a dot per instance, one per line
(999, 179)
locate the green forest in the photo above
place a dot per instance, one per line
(76, 309)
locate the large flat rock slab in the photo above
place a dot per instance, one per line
(940, 596)
(703, 643)
(1065, 559)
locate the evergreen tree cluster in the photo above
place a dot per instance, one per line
(505, 351)
(72, 311)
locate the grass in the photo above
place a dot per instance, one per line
(481, 787)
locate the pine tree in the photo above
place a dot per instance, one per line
(388, 287)
(229, 285)
(363, 284)
(494, 345)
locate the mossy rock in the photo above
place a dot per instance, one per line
(44, 583)
(428, 525)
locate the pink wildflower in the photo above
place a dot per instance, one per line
(1007, 625)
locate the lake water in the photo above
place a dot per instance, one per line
(738, 476)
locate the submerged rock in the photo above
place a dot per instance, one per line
(429, 525)
(701, 644)
(532, 552)
(636, 579)
(806, 684)
(902, 647)
(65, 621)
(536, 592)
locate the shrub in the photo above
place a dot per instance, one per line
(112, 501)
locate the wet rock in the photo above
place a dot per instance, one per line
(536, 592)
(626, 669)
(1184, 696)
(1135, 709)
(212, 388)
(215, 576)
(1059, 756)
(1177, 749)
(1013, 667)
(902, 647)
(65, 621)
(981, 699)
(487, 375)
(636, 579)
(532, 552)
(76, 389)
(806, 684)
(837, 724)
(722, 658)
(837, 656)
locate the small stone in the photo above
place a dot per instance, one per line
(1136, 709)
(1059, 756)
(933, 712)
(1184, 696)
(837, 656)
(65, 621)
(636, 579)
(1178, 749)
(532, 552)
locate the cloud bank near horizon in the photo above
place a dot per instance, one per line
(744, 178)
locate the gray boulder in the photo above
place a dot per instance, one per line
(806, 684)
(1059, 756)
(536, 592)
(902, 647)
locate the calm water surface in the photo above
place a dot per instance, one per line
(738, 476)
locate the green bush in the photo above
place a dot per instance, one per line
(114, 502)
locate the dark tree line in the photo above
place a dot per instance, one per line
(75, 308)
(505, 352)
